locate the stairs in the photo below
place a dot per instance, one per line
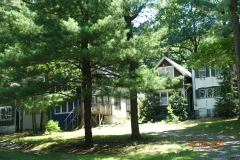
(71, 121)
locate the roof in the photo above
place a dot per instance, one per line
(181, 69)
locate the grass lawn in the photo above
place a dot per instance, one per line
(152, 146)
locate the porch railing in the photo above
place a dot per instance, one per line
(71, 116)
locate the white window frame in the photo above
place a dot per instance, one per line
(206, 95)
(67, 108)
(164, 71)
(202, 72)
(7, 115)
(165, 101)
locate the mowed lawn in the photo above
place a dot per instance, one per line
(159, 141)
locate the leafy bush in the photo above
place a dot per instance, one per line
(52, 126)
(148, 108)
(179, 105)
(170, 116)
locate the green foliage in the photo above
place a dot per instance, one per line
(179, 105)
(52, 126)
(149, 108)
(227, 103)
(217, 53)
(171, 117)
(187, 22)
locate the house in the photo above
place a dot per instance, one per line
(8, 118)
(104, 109)
(206, 89)
(167, 67)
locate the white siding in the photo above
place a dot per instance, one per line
(204, 104)
(27, 121)
(207, 82)
(120, 112)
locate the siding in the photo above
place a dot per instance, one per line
(27, 121)
(204, 104)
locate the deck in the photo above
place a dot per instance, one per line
(101, 109)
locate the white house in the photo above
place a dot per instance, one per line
(206, 87)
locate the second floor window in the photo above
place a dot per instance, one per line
(166, 71)
(202, 72)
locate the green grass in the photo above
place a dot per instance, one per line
(212, 126)
(163, 145)
(186, 154)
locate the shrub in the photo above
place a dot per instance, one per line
(170, 116)
(179, 106)
(52, 126)
(227, 103)
(148, 108)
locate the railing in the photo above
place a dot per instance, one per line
(101, 109)
(68, 120)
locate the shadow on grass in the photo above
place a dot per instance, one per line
(170, 144)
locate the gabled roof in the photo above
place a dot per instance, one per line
(181, 69)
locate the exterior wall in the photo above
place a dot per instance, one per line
(120, 112)
(27, 121)
(8, 125)
(207, 82)
(60, 117)
(203, 106)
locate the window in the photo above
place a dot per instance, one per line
(202, 72)
(209, 92)
(5, 113)
(168, 71)
(93, 99)
(216, 92)
(99, 99)
(65, 108)
(128, 104)
(106, 100)
(202, 93)
(164, 96)
(117, 103)
(217, 72)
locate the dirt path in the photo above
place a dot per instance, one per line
(228, 148)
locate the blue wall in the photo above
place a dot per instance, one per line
(61, 117)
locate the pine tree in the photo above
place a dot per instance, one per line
(226, 105)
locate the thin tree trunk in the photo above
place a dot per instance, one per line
(82, 115)
(233, 8)
(34, 123)
(87, 98)
(43, 121)
(133, 92)
(21, 121)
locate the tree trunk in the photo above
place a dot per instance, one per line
(21, 121)
(134, 105)
(43, 121)
(133, 92)
(87, 99)
(233, 8)
(82, 115)
(34, 123)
